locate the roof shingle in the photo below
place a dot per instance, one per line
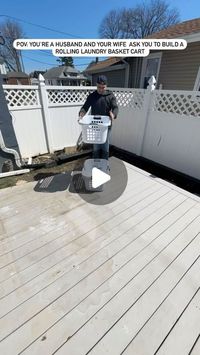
(103, 64)
(180, 29)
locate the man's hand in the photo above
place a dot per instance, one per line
(111, 115)
(81, 114)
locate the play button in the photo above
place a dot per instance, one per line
(99, 178)
(110, 183)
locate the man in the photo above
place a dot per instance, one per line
(102, 102)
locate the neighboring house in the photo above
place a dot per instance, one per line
(34, 76)
(64, 75)
(116, 70)
(3, 68)
(3, 71)
(173, 69)
(16, 78)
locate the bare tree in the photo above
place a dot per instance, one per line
(110, 27)
(11, 30)
(140, 21)
(128, 23)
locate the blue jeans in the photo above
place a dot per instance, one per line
(101, 151)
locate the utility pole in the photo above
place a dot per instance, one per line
(23, 69)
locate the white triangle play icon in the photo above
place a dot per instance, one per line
(99, 178)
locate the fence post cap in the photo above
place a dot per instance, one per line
(41, 78)
(152, 82)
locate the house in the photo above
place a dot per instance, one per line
(2, 76)
(3, 70)
(116, 70)
(34, 76)
(64, 75)
(173, 69)
(3, 67)
(16, 78)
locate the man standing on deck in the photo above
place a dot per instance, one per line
(102, 102)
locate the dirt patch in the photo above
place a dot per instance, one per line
(37, 174)
(53, 165)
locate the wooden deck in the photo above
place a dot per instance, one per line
(123, 278)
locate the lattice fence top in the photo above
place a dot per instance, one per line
(66, 96)
(130, 98)
(179, 103)
(21, 97)
(125, 98)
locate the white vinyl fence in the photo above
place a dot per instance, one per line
(44, 117)
(161, 125)
(164, 127)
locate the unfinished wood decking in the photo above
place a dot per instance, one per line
(123, 278)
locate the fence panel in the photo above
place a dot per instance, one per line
(172, 134)
(25, 108)
(64, 103)
(126, 128)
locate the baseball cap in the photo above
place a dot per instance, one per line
(102, 80)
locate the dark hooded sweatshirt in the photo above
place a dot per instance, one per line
(101, 104)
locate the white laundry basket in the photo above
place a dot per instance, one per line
(101, 164)
(94, 128)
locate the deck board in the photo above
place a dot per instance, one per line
(78, 278)
(195, 350)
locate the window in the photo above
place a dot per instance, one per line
(150, 66)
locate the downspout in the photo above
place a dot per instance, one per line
(15, 172)
(17, 160)
(10, 151)
(136, 74)
(127, 70)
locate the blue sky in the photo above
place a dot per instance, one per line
(78, 18)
